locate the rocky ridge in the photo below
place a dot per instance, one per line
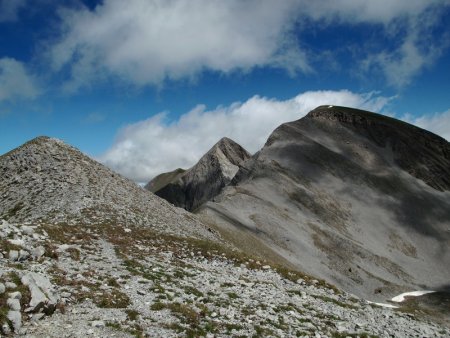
(204, 180)
(48, 181)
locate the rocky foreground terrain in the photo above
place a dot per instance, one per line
(116, 281)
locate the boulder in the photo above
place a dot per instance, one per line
(38, 252)
(27, 230)
(10, 285)
(15, 295)
(42, 295)
(13, 304)
(13, 255)
(23, 255)
(16, 319)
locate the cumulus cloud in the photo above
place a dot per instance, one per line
(16, 82)
(438, 123)
(146, 42)
(9, 9)
(149, 41)
(150, 147)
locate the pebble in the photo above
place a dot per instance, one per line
(98, 323)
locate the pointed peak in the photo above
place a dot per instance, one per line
(225, 143)
(225, 140)
(228, 147)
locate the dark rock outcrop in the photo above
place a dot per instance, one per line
(204, 180)
(164, 179)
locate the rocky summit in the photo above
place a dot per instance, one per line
(48, 181)
(359, 199)
(204, 180)
(85, 252)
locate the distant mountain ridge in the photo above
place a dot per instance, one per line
(191, 188)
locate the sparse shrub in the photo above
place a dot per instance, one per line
(132, 314)
(114, 299)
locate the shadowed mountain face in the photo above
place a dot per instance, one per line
(204, 180)
(48, 181)
(164, 179)
(354, 197)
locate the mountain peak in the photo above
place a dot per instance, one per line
(205, 179)
(419, 152)
(48, 181)
(229, 149)
(346, 195)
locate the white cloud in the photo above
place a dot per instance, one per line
(438, 123)
(9, 9)
(146, 42)
(149, 41)
(150, 147)
(16, 82)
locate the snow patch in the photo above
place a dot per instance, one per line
(400, 298)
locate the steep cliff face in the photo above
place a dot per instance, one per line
(354, 197)
(205, 179)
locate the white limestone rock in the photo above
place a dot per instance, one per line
(23, 255)
(13, 255)
(27, 230)
(42, 295)
(37, 252)
(13, 304)
(16, 319)
(10, 285)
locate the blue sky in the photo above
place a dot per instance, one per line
(146, 86)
